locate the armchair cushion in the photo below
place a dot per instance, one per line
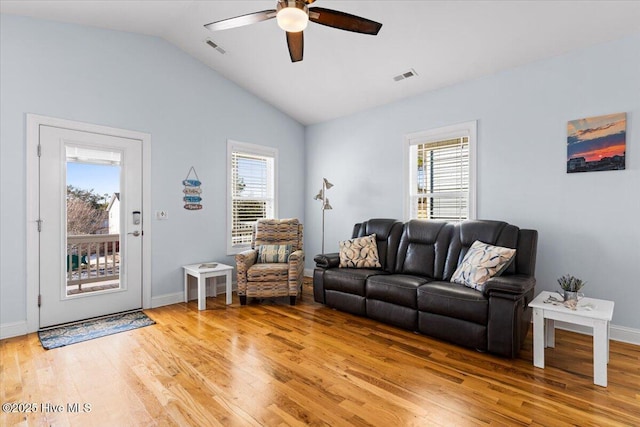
(481, 263)
(273, 253)
(361, 252)
(268, 272)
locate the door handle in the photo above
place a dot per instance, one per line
(135, 233)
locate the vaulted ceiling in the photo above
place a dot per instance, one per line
(444, 42)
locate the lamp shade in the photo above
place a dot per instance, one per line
(327, 184)
(326, 206)
(292, 19)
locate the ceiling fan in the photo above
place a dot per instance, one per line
(293, 17)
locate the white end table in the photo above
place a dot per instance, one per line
(596, 313)
(202, 272)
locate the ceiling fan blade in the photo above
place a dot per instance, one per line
(240, 21)
(343, 21)
(295, 41)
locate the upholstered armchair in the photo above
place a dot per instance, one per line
(274, 265)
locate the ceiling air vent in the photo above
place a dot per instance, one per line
(215, 46)
(405, 75)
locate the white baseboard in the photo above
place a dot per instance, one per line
(167, 299)
(13, 329)
(177, 297)
(617, 333)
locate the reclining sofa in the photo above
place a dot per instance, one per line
(412, 288)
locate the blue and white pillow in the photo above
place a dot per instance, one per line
(273, 253)
(482, 262)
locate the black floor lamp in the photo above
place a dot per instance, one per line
(322, 196)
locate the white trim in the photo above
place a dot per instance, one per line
(167, 299)
(34, 122)
(259, 150)
(439, 134)
(617, 333)
(13, 329)
(178, 297)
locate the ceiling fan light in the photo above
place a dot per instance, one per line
(292, 19)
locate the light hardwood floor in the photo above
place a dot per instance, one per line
(273, 364)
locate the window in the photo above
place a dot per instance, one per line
(252, 191)
(440, 173)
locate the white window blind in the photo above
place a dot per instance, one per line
(441, 188)
(441, 174)
(252, 182)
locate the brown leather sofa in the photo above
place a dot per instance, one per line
(412, 289)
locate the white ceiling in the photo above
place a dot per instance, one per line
(445, 42)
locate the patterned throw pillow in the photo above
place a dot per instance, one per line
(273, 253)
(481, 263)
(361, 252)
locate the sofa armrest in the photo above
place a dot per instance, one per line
(509, 312)
(323, 263)
(515, 285)
(327, 260)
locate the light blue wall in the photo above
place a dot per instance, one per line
(588, 223)
(139, 83)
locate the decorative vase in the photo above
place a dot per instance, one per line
(572, 296)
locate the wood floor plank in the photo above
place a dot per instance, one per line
(270, 363)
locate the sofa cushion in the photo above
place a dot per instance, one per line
(361, 252)
(348, 280)
(481, 263)
(268, 272)
(453, 300)
(388, 232)
(496, 233)
(399, 289)
(423, 248)
(273, 253)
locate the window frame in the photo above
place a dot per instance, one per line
(466, 129)
(251, 150)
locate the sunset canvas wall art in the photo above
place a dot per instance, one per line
(597, 143)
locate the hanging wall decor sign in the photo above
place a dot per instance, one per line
(192, 191)
(597, 143)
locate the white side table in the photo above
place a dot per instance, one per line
(202, 273)
(596, 313)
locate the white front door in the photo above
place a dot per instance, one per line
(91, 269)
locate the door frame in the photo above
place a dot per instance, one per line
(34, 122)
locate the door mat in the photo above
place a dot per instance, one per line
(90, 329)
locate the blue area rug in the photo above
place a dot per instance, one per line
(72, 334)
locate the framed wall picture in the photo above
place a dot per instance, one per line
(597, 143)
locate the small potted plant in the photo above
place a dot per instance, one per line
(571, 286)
